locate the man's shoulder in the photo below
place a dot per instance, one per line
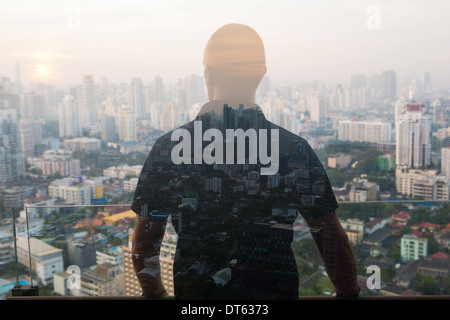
(166, 138)
(286, 135)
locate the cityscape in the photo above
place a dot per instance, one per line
(70, 159)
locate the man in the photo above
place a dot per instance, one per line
(221, 175)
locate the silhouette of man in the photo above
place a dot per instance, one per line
(218, 179)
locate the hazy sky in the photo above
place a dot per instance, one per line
(60, 41)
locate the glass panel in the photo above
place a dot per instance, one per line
(86, 250)
(15, 275)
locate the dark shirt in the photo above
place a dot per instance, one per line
(224, 208)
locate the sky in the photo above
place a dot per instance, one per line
(59, 41)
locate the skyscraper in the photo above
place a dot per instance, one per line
(88, 103)
(137, 97)
(11, 161)
(389, 84)
(193, 89)
(108, 128)
(30, 136)
(262, 248)
(131, 284)
(413, 136)
(167, 257)
(158, 89)
(69, 117)
(127, 124)
(445, 162)
(155, 115)
(318, 110)
(167, 117)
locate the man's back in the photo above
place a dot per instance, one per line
(234, 221)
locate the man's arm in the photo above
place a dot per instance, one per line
(144, 243)
(336, 252)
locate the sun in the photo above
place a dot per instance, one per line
(43, 69)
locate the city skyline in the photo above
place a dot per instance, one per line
(326, 41)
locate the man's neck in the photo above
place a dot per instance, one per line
(243, 97)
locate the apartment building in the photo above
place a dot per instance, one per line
(413, 247)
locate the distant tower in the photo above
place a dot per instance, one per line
(11, 158)
(167, 117)
(127, 124)
(318, 110)
(389, 84)
(445, 162)
(88, 103)
(69, 117)
(158, 90)
(413, 141)
(167, 257)
(108, 128)
(131, 284)
(137, 97)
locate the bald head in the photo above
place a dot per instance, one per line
(234, 62)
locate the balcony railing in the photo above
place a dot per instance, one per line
(79, 252)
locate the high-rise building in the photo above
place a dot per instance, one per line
(264, 252)
(158, 90)
(445, 162)
(167, 119)
(167, 257)
(318, 110)
(413, 248)
(337, 98)
(127, 124)
(11, 160)
(108, 128)
(88, 103)
(69, 117)
(213, 184)
(30, 136)
(193, 89)
(155, 115)
(130, 282)
(364, 131)
(413, 136)
(389, 84)
(137, 97)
